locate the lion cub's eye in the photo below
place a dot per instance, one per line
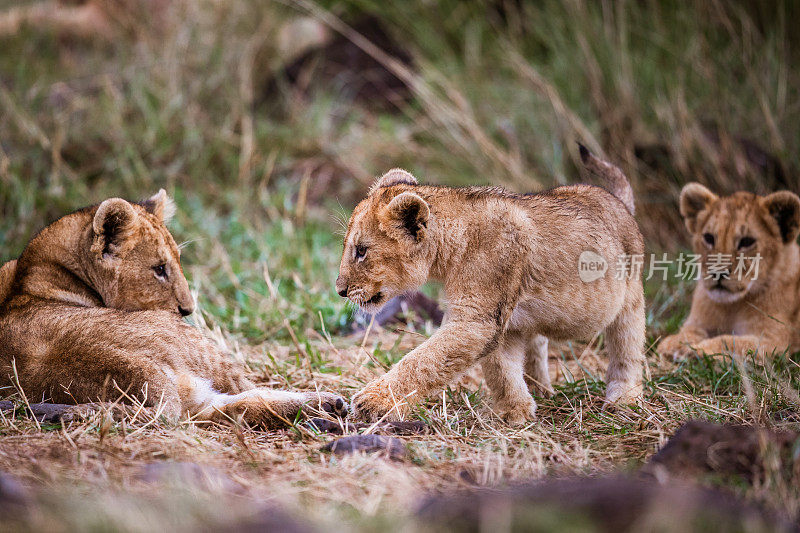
(746, 242)
(708, 238)
(361, 251)
(160, 271)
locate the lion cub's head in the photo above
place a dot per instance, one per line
(386, 245)
(136, 263)
(736, 229)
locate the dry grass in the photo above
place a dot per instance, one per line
(467, 445)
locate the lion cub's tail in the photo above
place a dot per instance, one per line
(615, 181)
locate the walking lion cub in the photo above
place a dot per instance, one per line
(748, 299)
(94, 303)
(510, 268)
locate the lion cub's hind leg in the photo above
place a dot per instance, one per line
(261, 408)
(537, 373)
(504, 370)
(625, 338)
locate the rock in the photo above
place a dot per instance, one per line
(595, 504)
(323, 425)
(58, 412)
(397, 311)
(392, 447)
(54, 412)
(66, 413)
(700, 447)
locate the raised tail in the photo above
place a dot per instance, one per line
(614, 179)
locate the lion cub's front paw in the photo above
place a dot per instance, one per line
(377, 399)
(519, 414)
(623, 393)
(316, 402)
(267, 409)
(715, 346)
(675, 346)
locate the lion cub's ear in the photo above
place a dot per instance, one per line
(396, 176)
(406, 216)
(695, 199)
(160, 205)
(784, 207)
(113, 225)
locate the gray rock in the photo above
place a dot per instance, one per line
(394, 448)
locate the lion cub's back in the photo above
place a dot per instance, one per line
(587, 213)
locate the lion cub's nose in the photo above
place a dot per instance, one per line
(341, 287)
(185, 312)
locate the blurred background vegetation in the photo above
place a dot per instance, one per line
(267, 121)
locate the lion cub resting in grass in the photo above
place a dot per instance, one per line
(95, 302)
(749, 296)
(510, 268)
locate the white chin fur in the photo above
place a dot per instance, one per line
(373, 309)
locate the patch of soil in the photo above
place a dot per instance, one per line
(699, 448)
(340, 64)
(609, 504)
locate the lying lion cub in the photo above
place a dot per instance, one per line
(510, 268)
(753, 307)
(96, 299)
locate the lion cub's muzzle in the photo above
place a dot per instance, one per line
(186, 303)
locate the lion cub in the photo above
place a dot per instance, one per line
(749, 296)
(510, 268)
(93, 307)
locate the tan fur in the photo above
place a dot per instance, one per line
(104, 20)
(758, 315)
(7, 272)
(88, 309)
(509, 266)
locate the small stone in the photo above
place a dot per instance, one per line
(394, 448)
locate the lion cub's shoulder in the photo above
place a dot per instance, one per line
(7, 272)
